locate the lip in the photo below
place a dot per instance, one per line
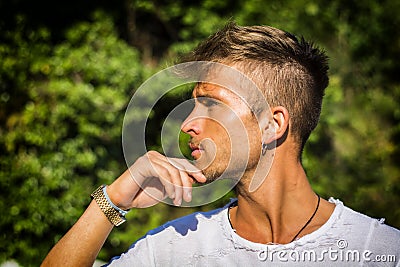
(196, 153)
(194, 146)
(196, 150)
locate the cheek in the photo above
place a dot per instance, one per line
(226, 122)
(251, 138)
(255, 143)
(231, 130)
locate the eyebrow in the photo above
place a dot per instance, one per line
(204, 94)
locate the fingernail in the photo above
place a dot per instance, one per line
(179, 202)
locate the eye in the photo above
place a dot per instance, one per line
(209, 102)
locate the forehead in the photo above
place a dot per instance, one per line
(229, 84)
(214, 91)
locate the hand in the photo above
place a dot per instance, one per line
(152, 178)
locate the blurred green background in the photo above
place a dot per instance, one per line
(69, 68)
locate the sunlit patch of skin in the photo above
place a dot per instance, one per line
(226, 126)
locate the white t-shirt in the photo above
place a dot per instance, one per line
(207, 239)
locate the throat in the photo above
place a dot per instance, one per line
(258, 227)
(246, 230)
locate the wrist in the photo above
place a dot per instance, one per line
(117, 197)
(113, 213)
(123, 212)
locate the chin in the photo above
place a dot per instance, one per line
(218, 169)
(215, 174)
(211, 175)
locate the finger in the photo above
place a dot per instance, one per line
(164, 176)
(171, 179)
(177, 180)
(198, 177)
(161, 170)
(187, 182)
(185, 165)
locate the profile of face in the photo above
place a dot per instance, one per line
(225, 137)
(227, 126)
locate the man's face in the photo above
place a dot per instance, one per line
(225, 136)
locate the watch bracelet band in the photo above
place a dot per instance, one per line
(115, 217)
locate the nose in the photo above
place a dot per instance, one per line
(192, 124)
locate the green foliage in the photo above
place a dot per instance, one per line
(350, 154)
(65, 137)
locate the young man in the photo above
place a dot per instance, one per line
(280, 221)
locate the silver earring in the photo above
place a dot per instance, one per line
(264, 149)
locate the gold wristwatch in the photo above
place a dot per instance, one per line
(114, 214)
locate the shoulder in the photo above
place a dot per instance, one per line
(366, 222)
(173, 237)
(370, 232)
(189, 225)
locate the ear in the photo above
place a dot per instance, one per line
(276, 127)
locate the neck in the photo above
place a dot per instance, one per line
(280, 207)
